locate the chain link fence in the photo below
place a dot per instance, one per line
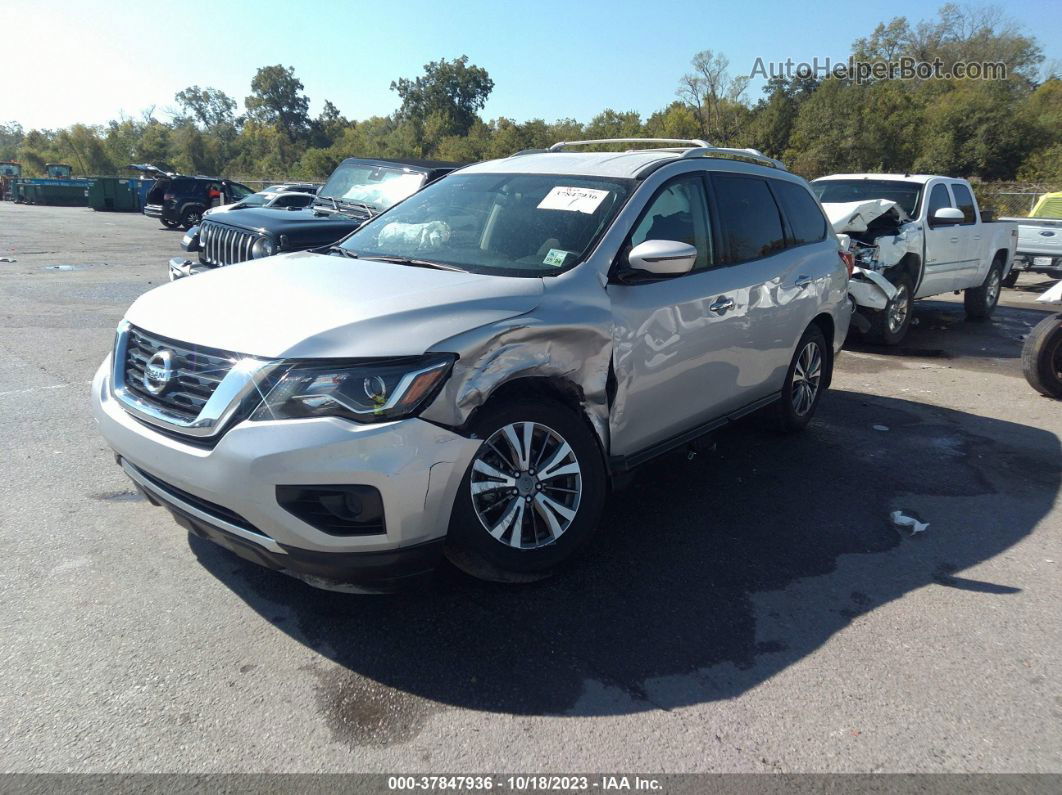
(1010, 198)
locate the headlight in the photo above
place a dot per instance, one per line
(371, 392)
(263, 247)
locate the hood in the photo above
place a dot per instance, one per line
(306, 222)
(855, 217)
(305, 305)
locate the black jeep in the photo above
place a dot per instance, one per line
(357, 190)
(179, 200)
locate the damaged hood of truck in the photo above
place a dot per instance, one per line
(305, 305)
(857, 217)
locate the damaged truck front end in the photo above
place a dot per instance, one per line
(879, 235)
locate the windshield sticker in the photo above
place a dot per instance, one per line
(555, 257)
(574, 200)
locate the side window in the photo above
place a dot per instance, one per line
(938, 199)
(965, 202)
(806, 221)
(748, 217)
(678, 212)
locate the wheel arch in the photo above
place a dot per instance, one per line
(547, 387)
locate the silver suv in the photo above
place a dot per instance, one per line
(470, 371)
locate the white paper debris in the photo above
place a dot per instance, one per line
(8, 259)
(574, 200)
(881, 427)
(900, 520)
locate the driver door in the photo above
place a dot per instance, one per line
(944, 253)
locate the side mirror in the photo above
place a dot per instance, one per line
(948, 215)
(662, 257)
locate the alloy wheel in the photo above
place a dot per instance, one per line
(898, 308)
(807, 376)
(526, 485)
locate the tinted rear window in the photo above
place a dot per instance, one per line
(748, 216)
(183, 185)
(965, 202)
(806, 220)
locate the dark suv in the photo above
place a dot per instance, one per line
(358, 189)
(179, 200)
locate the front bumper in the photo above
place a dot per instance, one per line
(182, 266)
(416, 466)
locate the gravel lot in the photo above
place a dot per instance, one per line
(749, 610)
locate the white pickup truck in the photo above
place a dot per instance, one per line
(1039, 239)
(913, 236)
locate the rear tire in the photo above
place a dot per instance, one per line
(1041, 357)
(889, 326)
(981, 301)
(512, 519)
(806, 380)
(191, 217)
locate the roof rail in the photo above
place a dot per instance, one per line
(755, 155)
(685, 142)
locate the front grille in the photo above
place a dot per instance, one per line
(198, 372)
(223, 245)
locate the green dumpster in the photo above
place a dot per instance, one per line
(114, 194)
(62, 195)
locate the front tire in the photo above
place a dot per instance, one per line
(981, 301)
(1041, 357)
(532, 496)
(806, 380)
(889, 325)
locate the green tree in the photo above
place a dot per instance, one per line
(206, 107)
(715, 97)
(277, 98)
(451, 91)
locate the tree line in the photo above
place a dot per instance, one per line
(991, 130)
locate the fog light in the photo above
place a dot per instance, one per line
(344, 510)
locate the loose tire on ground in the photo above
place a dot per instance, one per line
(981, 301)
(506, 477)
(1041, 357)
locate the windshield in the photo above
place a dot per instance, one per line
(511, 224)
(839, 191)
(377, 186)
(254, 200)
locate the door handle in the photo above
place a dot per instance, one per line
(802, 281)
(955, 240)
(722, 305)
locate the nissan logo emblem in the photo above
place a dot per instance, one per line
(158, 372)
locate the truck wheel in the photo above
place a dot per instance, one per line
(981, 301)
(531, 497)
(889, 326)
(806, 380)
(1041, 357)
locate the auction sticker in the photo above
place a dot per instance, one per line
(574, 200)
(555, 257)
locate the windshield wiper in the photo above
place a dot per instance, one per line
(331, 199)
(368, 209)
(415, 263)
(346, 252)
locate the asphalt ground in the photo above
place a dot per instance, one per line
(749, 609)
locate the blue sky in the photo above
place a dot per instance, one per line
(90, 61)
